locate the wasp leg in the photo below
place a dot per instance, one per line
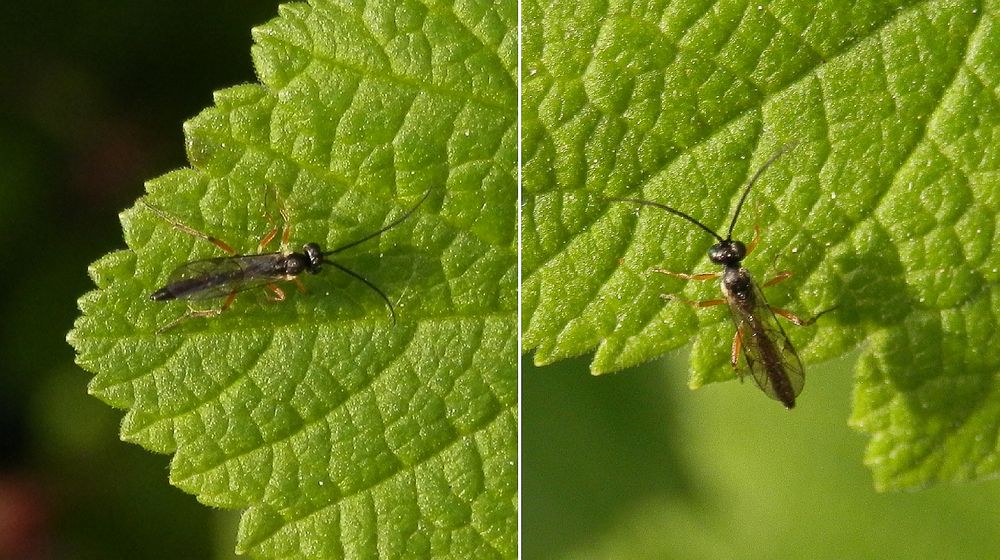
(734, 359)
(779, 277)
(267, 239)
(796, 320)
(278, 293)
(299, 285)
(196, 313)
(286, 229)
(753, 242)
(286, 234)
(698, 276)
(692, 303)
(188, 229)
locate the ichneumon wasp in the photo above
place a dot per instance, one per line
(225, 277)
(769, 353)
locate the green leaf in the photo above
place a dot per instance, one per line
(340, 433)
(886, 206)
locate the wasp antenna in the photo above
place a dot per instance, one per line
(739, 206)
(673, 211)
(394, 223)
(392, 312)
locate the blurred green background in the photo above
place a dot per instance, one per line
(92, 98)
(635, 465)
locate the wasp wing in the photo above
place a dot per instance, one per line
(769, 354)
(220, 276)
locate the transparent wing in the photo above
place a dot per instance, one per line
(769, 354)
(218, 277)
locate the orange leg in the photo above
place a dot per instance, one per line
(698, 276)
(753, 242)
(701, 276)
(278, 293)
(229, 301)
(795, 319)
(188, 229)
(267, 239)
(286, 229)
(737, 346)
(194, 313)
(299, 285)
(702, 303)
(779, 277)
(286, 234)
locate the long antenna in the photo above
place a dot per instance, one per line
(394, 223)
(357, 276)
(385, 298)
(673, 211)
(746, 191)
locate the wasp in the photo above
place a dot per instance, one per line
(769, 354)
(225, 277)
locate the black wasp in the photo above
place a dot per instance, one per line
(769, 354)
(225, 277)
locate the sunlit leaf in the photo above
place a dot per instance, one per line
(886, 206)
(339, 432)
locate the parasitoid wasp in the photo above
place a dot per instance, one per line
(769, 354)
(225, 277)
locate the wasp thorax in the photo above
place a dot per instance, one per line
(295, 264)
(727, 252)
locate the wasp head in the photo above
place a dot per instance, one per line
(727, 252)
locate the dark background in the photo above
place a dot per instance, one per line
(93, 95)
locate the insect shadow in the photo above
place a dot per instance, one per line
(225, 277)
(769, 354)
